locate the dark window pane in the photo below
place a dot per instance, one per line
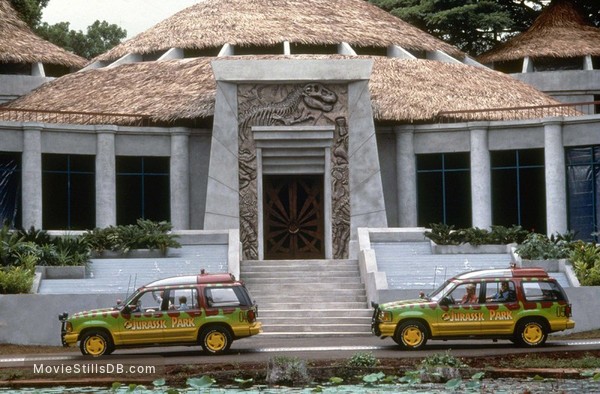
(83, 202)
(458, 199)
(531, 157)
(54, 162)
(430, 197)
(126, 164)
(533, 200)
(505, 197)
(10, 189)
(503, 158)
(55, 200)
(460, 161)
(157, 200)
(129, 199)
(429, 162)
(156, 165)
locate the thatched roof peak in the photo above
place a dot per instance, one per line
(19, 44)
(214, 23)
(561, 31)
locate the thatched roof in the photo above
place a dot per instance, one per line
(401, 90)
(213, 23)
(18, 44)
(561, 31)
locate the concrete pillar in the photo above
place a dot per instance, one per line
(556, 178)
(481, 178)
(406, 176)
(31, 176)
(180, 179)
(106, 185)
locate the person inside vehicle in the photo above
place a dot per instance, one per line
(183, 306)
(470, 297)
(503, 295)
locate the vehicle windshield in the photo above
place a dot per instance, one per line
(441, 291)
(127, 300)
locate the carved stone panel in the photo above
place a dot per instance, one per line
(311, 104)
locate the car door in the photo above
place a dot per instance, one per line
(143, 321)
(184, 315)
(457, 315)
(499, 315)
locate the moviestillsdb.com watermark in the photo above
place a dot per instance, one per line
(93, 369)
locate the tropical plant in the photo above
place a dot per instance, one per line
(362, 360)
(289, 371)
(540, 247)
(501, 235)
(585, 258)
(16, 280)
(443, 234)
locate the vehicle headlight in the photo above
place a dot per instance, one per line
(385, 316)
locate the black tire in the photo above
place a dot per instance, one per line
(411, 335)
(96, 343)
(530, 333)
(215, 339)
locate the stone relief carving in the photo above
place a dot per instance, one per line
(290, 104)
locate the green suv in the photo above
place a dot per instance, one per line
(523, 305)
(210, 310)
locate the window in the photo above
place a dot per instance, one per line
(143, 190)
(444, 189)
(466, 293)
(542, 291)
(68, 192)
(519, 189)
(10, 189)
(503, 291)
(218, 297)
(183, 299)
(583, 182)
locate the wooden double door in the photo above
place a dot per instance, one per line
(293, 217)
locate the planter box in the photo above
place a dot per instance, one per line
(469, 249)
(132, 254)
(62, 272)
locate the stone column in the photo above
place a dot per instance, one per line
(180, 179)
(481, 178)
(556, 178)
(406, 176)
(106, 185)
(31, 176)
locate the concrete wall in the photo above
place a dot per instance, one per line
(13, 86)
(32, 319)
(568, 86)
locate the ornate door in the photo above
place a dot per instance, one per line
(293, 217)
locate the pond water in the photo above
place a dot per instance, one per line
(496, 386)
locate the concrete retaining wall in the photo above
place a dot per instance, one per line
(32, 319)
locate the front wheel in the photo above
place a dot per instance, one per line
(96, 343)
(411, 335)
(215, 340)
(530, 333)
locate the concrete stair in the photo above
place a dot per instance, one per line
(308, 298)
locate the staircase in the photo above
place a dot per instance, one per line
(308, 298)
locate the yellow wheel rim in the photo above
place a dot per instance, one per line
(95, 345)
(533, 334)
(412, 336)
(216, 341)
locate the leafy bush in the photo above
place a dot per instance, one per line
(289, 371)
(362, 360)
(585, 258)
(540, 247)
(16, 280)
(443, 234)
(145, 234)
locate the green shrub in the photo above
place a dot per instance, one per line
(585, 258)
(16, 280)
(443, 234)
(540, 247)
(289, 371)
(362, 360)
(145, 234)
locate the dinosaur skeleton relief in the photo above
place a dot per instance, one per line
(310, 104)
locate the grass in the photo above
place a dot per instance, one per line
(587, 361)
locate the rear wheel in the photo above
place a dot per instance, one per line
(96, 343)
(215, 340)
(411, 335)
(530, 333)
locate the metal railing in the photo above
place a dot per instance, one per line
(519, 113)
(73, 117)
